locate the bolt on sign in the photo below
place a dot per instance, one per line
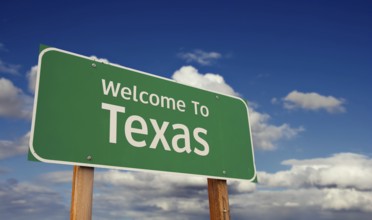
(92, 113)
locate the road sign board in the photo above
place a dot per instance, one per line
(91, 113)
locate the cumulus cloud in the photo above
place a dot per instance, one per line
(201, 57)
(121, 203)
(311, 188)
(347, 199)
(275, 204)
(189, 75)
(143, 195)
(335, 187)
(265, 135)
(313, 101)
(9, 68)
(140, 180)
(341, 171)
(13, 102)
(58, 177)
(13, 148)
(308, 203)
(31, 76)
(157, 195)
(29, 201)
(130, 179)
(241, 187)
(303, 190)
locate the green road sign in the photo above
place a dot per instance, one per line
(91, 113)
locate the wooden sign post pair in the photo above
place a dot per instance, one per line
(82, 196)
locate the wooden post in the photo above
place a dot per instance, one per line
(218, 200)
(82, 193)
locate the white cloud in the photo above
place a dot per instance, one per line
(143, 195)
(275, 204)
(158, 195)
(148, 195)
(302, 190)
(265, 135)
(190, 76)
(147, 203)
(310, 188)
(343, 170)
(31, 76)
(239, 187)
(200, 56)
(347, 199)
(313, 101)
(307, 203)
(13, 148)
(30, 201)
(140, 180)
(58, 177)
(9, 68)
(131, 179)
(13, 102)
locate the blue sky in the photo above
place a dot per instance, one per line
(304, 67)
